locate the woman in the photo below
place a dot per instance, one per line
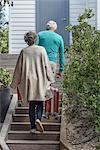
(32, 76)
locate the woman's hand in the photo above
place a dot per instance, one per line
(59, 75)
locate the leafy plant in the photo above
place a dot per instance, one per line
(98, 148)
(4, 40)
(5, 78)
(82, 73)
(3, 32)
(1, 16)
(3, 2)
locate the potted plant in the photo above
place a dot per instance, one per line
(5, 79)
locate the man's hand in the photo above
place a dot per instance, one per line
(59, 75)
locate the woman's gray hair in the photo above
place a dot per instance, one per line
(30, 37)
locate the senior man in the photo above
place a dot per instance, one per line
(54, 45)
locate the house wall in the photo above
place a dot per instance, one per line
(92, 4)
(77, 7)
(22, 19)
(98, 14)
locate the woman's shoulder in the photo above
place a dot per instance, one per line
(41, 48)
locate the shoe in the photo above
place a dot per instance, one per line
(47, 115)
(39, 126)
(55, 116)
(32, 130)
(19, 103)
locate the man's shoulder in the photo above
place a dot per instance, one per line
(58, 35)
(42, 32)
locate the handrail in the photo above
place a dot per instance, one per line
(8, 60)
(7, 122)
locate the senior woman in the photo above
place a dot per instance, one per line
(32, 77)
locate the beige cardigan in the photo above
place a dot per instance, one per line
(32, 73)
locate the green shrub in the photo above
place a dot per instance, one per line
(3, 31)
(82, 73)
(5, 78)
(3, 40)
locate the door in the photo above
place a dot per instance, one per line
(57, 10)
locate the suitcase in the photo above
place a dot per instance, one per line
(51, 106)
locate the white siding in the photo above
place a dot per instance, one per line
(98, 14)
(92, 4)
(22, 19)
(77, 7)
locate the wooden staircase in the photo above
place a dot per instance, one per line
(20, 138)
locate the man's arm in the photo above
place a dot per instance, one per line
(49, 73)
(61, 56)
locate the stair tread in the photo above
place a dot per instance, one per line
(37, 132)
(23, 107)
(32, 142)
(44, 123)
(27, 115)
(20, 115)
(25, 118)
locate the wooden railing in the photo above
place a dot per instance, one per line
(7, 122)
(8, 60)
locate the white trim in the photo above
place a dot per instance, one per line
(98, 14)
(9, 29)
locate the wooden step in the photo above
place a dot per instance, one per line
(26, 126)
(25, 110)
(22, 110)
(25, 118)
(33, 145)
(26, 135)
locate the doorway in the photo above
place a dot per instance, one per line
(57, 10)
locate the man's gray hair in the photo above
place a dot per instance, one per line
(51, 24)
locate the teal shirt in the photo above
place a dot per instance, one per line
(54, 45)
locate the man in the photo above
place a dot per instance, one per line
(32, 77)
(54, 45)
